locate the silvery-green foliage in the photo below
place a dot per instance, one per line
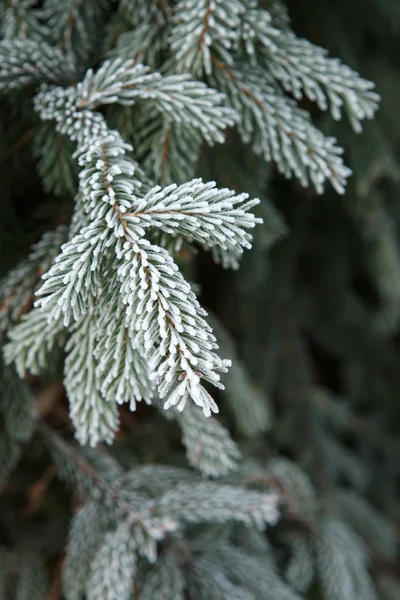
(185, 344)
(144, 43)
(91, 474)
(201, 26)
(56, 166)
(113, 566)
(16, 405)
(206, 581)
(137, 11)
(62, 106)
(211, 36)
(172, 505)
(18, 286)
(29, 62)
(299, 571)
(126, 515)
(19, 19)
(148, 25)
(377, 531)
(209, 447)
(279, 130)
(342, 563)
(109, 179)
(164, 581)
(154, 480)
(160, 312)
(303, 68)
(122, 370)
(253, 541)
(32, 342)
(297, 487)
(113, 297)
(280, 17)
(198, 211)
(177, 343)
(251, 417)
(95, 417)
(71, 285)
(187, 210)
(98, 478)
(204, 501)
(86, 533)
(73, 280)
(168, 150)
(252, 573)
(74, 25)
(126, 82)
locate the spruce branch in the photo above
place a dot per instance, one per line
(56, 166)
(279, 130)
(299, 572)
(149, 518)
(205, 581)
(177, 340)
(170, 324)
(95, 417)
(73, 278)
(164, 580)
(168, 151)
(202, 27)
(184, 100)
(107, 93)
(209, 446)
(197, 503)
(32, 342)
(137, 11)
(113, 566)
(191, 502)
(29, 62)
(19, 20)
(258, 576)
(303, 68)
(144, 43)
(86, 533)
(198, 211)
(122, 370)
(155, 480)
(74, 25)
(342, 563)
(16, 289)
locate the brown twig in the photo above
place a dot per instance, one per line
(37, 491)
(56, 585)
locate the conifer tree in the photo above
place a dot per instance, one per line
(199, 300)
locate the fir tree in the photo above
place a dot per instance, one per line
(146, 146)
